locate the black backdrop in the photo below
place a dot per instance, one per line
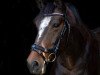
(17, 31)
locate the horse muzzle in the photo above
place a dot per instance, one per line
(37, 68)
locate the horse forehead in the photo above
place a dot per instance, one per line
(45, 22)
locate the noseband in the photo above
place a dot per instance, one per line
(54, 50)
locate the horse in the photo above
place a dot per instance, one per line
(64, 41)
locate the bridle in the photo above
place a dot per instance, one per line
(54, 50)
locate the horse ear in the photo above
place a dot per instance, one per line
(41, 3)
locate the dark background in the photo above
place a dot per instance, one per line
(17, 32)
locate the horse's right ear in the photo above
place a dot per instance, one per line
(41, 3)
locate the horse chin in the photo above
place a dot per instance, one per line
(40, 71)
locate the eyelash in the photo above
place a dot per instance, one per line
(56, 25)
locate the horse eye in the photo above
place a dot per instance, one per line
(55, 25)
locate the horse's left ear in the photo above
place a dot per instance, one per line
(72, 14)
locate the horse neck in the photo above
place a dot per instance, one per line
(73, 53)
(75, 48)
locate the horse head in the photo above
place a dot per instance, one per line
(51, 24)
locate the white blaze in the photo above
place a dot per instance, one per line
(44, 23)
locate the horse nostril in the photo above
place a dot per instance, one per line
(35, 64)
